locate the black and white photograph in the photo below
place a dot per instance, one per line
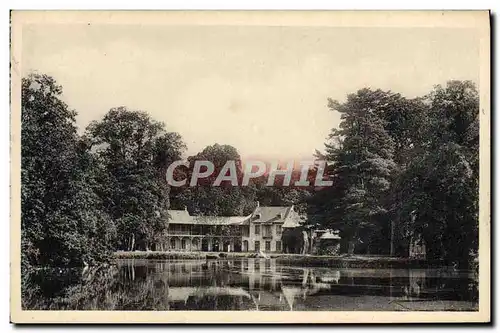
(187, 165)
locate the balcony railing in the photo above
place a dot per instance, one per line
(180, 232)
(192, 233)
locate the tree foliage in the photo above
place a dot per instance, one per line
(62, 218)
(205, 199)
(134, 151)
(410, 165)
(441, 183)
(362, 152)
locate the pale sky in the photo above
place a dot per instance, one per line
(263, 90)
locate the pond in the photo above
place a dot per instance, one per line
(249, 284)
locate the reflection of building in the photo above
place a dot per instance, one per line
(260, 231)
(249, 284)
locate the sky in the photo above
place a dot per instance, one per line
(263, 90)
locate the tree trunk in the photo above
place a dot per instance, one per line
(351, 246)
(392, 248)
(305, 243)
(132, 242)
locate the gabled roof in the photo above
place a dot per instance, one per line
(293, 219)
(180, 216)
(277, 214)
(270, 214)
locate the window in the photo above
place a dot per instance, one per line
(246, 231)
(257, 246)
(257, 229)
(266, 231)
(278, 229)
(268, 246)
(278, 246)
(183, 244)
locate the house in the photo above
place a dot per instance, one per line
(260, 231)
(266, 226)
(326, 242)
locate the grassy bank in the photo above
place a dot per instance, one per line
(357, 261)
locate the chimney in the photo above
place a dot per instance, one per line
(185, 208)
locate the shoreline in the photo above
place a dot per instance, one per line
(342, 261)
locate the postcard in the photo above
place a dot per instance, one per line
(250, 166)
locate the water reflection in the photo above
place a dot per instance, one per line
(249, 284)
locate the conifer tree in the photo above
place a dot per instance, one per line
(362, 152)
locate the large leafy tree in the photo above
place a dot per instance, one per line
(441, 184)
(62, 218)
(134, 152)
(206, 199)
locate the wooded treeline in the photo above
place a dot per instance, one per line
(407, 167)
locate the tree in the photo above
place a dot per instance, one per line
(206, 199)
(362, 152)
(441, 184)
(134, 151)
(405, 121)
(293, 240)
(63, 222)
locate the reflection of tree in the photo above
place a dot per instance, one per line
(94, 289)
(67, 289)
(135, 286)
